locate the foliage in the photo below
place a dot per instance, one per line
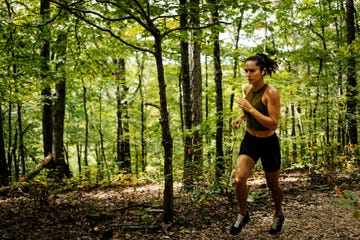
(307, 38)
(349, 200)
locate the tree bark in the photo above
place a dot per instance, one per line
(123, 137)
(196, 89)
(220, 166)
(59, 111)
(21, 140)
(4, 172)
(86, 115)
(186, 97)
(236, 66)
(167, 141)
(351, 94)
(9, 141)
(141, 64)
(293, 133)
(47, 123)
(44, 163)
(229, 151)
(101, 157)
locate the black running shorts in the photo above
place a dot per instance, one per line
(268, 149)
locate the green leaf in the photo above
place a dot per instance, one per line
(253, 196)
(357, 214)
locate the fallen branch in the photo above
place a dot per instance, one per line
(40, 166)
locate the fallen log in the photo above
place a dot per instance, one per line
(40, 166)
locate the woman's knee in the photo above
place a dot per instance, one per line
(243, 169)
(241, 178)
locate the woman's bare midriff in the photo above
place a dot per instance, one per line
(260, 134)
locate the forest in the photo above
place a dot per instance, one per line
(116, 117)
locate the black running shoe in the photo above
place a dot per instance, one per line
(240, 222)
(277, 224)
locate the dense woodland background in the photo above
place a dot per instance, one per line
(145, 91)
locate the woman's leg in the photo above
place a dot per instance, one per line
(272, 179)
(243, 170)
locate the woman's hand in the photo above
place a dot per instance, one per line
(245, 105)
(236, 124)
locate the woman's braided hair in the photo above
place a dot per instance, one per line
(263, 61)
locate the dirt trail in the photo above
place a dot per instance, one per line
(135, 213)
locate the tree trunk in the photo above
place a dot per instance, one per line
(229, 151)
(14, 147)
(293, 133)
(351, 94)
(341, 131)
(9, 141)
(123, 138)
(284, 134)
(78, 154)
(21, 140)
(196, 89)
(220, 166)
(47, 124)
(4, 172)
(86, 115)
(59, 111)
(167, 141)
(44, 163)
(143, 118)
(186, 97)
(235, 68)
(14, 157)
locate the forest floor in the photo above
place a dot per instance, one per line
(118, 212)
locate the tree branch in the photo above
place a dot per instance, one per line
(77, 12)
(153, 105)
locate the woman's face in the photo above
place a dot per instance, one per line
(253, 72)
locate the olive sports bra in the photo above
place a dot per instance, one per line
(255, 100)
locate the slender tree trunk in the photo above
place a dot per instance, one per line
(141, 64)
(284, 134)
(119, 133)
(123, 138)
(196, 89)
(14, 147)
(59, 111)
(235, 68)
(229, 151)
(315, 110)
(351, 93)
(143, 142)
(100, 157)
(220, 163)
(186, 94)
(9, 142)
(293, 133)
(21, 140)
(167, 141)
(14, 157)
(4, 172)
(341, 131)
(79, 152)
(208, 136)
(301, 133)
(47, 124)
(86, 115)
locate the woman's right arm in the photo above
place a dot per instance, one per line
(238, 121)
